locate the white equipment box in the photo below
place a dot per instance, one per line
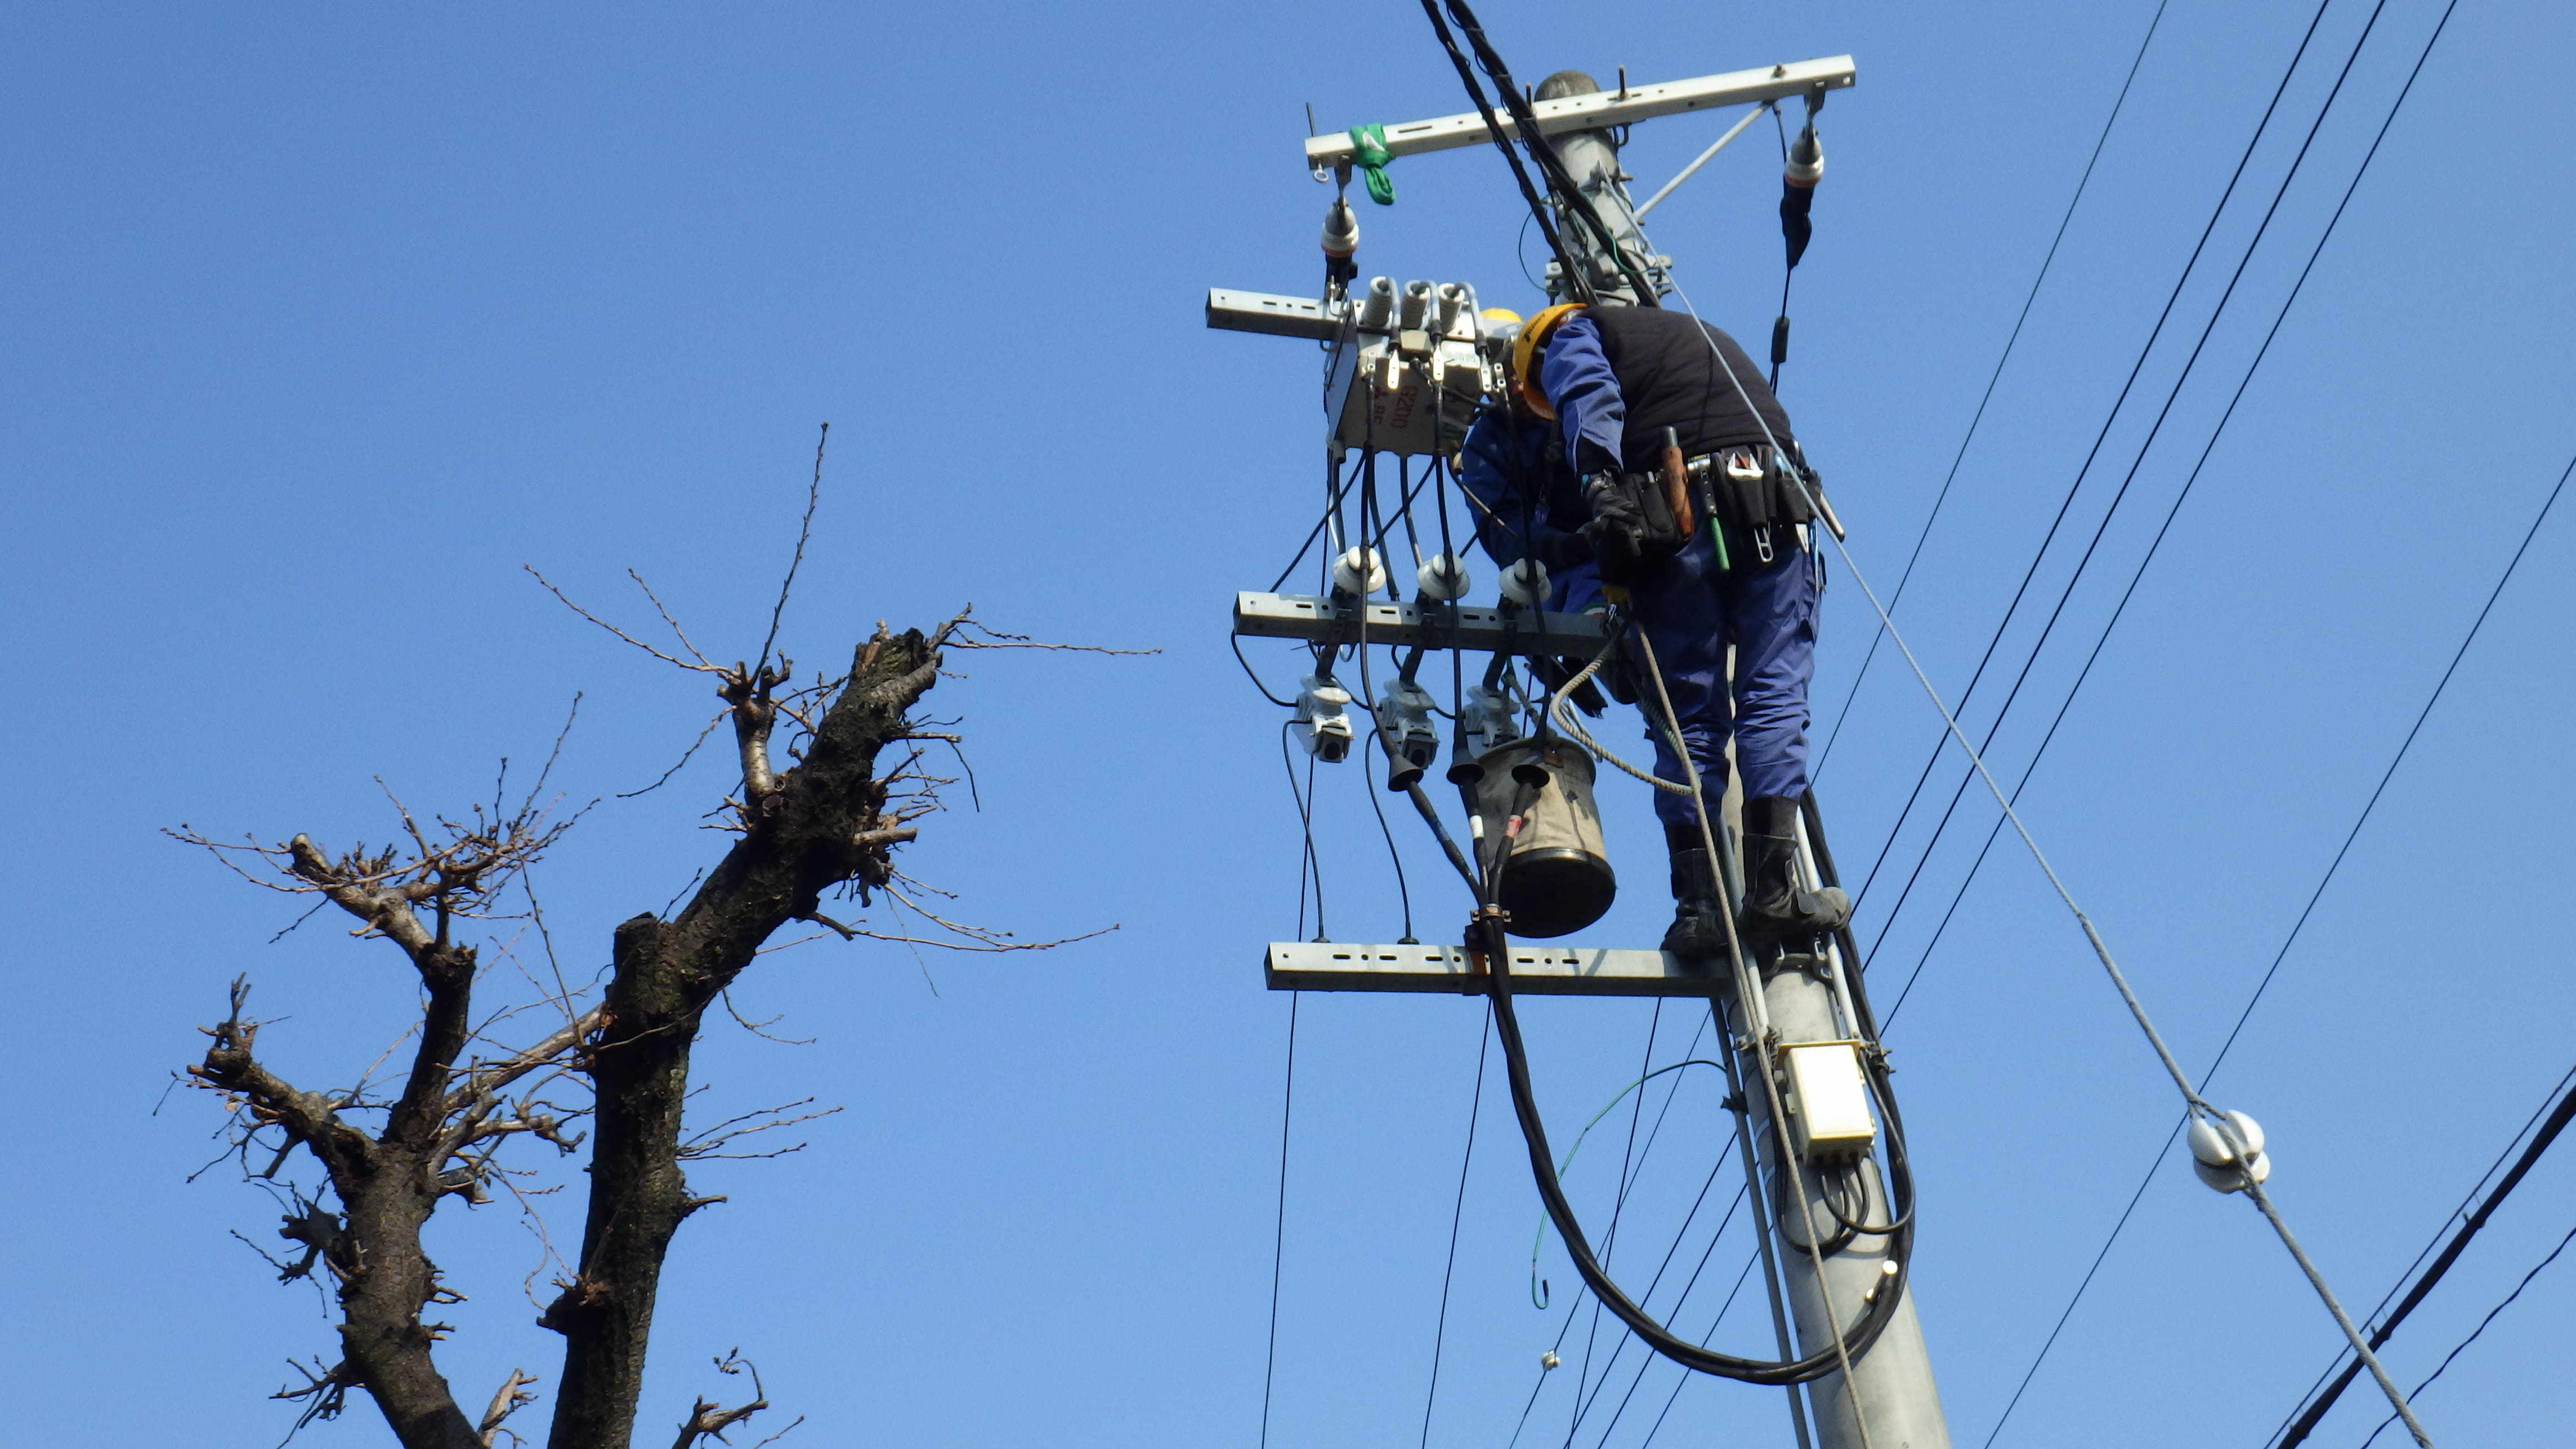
(1828, 1104)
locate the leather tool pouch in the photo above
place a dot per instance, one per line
(1641, 519)
(1751, 488)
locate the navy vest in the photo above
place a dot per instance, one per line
(1668, 379)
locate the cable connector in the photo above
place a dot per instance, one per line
(1323, 720)
(1404, 720)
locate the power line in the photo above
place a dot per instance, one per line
(2085, 470)
(2332, 867)
(1279, 1233)
(2463, 1345)
(1457, 1214)
(2138, 462)
(2156, 544)
(2297, 1428)
(2010, 341)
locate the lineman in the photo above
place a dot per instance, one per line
(1620, 432)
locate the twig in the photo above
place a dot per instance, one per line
(804, 530)
(613, 629)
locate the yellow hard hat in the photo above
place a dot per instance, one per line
(1525, 348)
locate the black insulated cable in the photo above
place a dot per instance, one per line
(2559, 1116)
(1494, 129)
(1543, 152)
(1569, 1229)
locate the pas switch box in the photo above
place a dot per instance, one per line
(1828, 1102)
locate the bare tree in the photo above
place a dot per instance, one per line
(562, 1065)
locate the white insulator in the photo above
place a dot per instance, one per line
(1806, 160)
(1453, 300)
(1359, 571)
(2216, 1160)
(1442, 579)
(1341, 230)
(1525, 583)
(1416, 305)
(1379, 305)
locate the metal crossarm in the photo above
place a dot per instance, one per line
(1536, 970)
(1602, 108)
(1320, 620)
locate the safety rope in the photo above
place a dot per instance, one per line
(1573, 728)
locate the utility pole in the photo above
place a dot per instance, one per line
(1805, 1065)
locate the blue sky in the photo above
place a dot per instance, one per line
(322, 324)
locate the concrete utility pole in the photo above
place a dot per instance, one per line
(1798, 1043)
(1592, 159)
(1892, 1402)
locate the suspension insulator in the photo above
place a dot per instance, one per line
(2225, 1159)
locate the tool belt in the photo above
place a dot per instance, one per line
(1750, 487)
(1639, 519)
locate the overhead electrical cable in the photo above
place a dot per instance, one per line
(1457, 1215)
(2475, 1333)
(1279, 1233)
(2065, 595)
(2559, 1112)
(2118, 403)
(2166, 527)
(2011, 340)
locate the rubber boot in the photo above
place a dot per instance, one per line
(1778, 908)
(1697, 929)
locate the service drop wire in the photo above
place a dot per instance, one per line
(2154, 548)
(2093, 936)
(1309, 865)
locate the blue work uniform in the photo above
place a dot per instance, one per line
(1690, 610)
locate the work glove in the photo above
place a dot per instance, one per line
(1617, 530)
(1561, 551)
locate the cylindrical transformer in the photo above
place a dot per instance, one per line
(1558, 879)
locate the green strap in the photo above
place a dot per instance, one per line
(1368, 152)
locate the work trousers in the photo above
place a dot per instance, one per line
(1691, 611)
